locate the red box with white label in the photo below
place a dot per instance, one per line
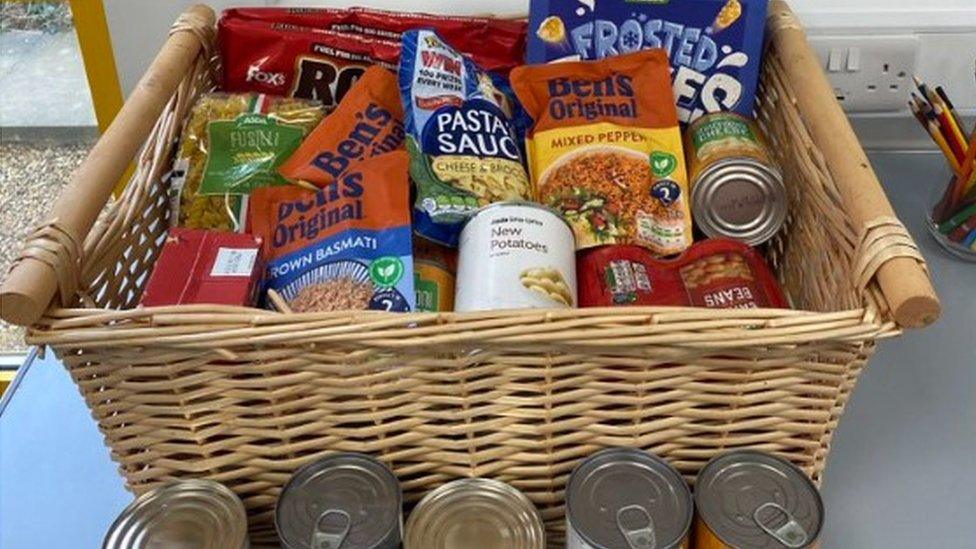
(213, 267)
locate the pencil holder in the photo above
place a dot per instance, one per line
(952, 231)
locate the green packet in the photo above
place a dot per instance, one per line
(245, 153)
(232, 144)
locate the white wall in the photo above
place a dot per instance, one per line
(139, 27)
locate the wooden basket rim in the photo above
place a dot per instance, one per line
(199, 20)
(208, 327)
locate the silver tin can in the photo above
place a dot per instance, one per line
(740, 198)
(748, 499)
(737, 187)
(344, 500)
(201, 514)
(516, 255)
(626, 498)
(475, 512)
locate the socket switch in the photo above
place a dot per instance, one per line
(869, 73)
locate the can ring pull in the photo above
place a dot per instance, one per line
(639, 537)
(324, 537)
(789, 533)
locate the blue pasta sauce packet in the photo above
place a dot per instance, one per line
(463, 135)
(715, 46)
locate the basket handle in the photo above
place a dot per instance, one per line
(49, 263)
(892, 259)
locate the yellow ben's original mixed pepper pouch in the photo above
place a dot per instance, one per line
(231, 145)
(605, 149)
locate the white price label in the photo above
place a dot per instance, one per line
(234, 262)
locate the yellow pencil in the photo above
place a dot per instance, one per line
(968, 169)
(971, 183)
(932, 98)
(946, 150)
(953, 126)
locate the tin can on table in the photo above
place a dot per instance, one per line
(516, 255)
(474, 512)
(752, 500)
(626, 498)
(434, 268)
(344, 500)
(198, 513)
(737, 188)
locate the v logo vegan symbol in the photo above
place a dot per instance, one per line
(663, 164)
(386, 271)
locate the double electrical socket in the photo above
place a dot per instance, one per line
(870, 73)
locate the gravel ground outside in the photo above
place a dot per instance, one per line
(31, 177)
(42, 87)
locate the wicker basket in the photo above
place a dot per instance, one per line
(245, 396)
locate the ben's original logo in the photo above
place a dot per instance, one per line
(610, 97)
(304, 219)
(364, 141)
(255, 74)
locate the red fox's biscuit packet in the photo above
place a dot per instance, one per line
(495, 44)
(367, 123)
(283, 59)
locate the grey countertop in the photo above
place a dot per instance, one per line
(902, 469)
(900, 474)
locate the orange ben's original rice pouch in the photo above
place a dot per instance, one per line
(606, 151)
(368, 122)
(345, 246)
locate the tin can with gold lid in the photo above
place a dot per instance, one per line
(190, 513)
(474, 512)
(434, 268)
(627, 498)
(344, 500)
(752, 500)
(737, 188)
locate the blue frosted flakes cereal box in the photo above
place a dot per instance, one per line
(715, 46)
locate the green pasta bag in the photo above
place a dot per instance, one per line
(231, 145)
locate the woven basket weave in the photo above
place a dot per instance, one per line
(246, 396)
